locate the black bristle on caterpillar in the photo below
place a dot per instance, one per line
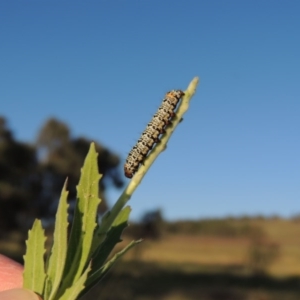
(154, 129)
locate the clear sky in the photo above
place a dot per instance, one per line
(103, 67)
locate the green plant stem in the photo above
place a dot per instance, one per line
(137, 178)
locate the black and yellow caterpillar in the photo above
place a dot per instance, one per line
(151, 134)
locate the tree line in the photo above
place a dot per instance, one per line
(32, 174)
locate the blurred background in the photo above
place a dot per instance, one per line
(219, 210)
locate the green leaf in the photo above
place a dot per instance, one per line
(113, 237)
(34, 265)
(73, 292)
(84, 222)
(95, 277)
(122, 217)
(59, 249)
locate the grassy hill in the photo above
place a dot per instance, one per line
(226, 243)
(210, 260)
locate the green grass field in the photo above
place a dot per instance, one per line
(182, 267)
(209, 251)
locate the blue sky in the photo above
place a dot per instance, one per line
(103, 67)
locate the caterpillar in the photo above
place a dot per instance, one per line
(150, 136)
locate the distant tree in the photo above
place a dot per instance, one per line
(32, 176)
(152, 225)
(262, 252)
(19, 183)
